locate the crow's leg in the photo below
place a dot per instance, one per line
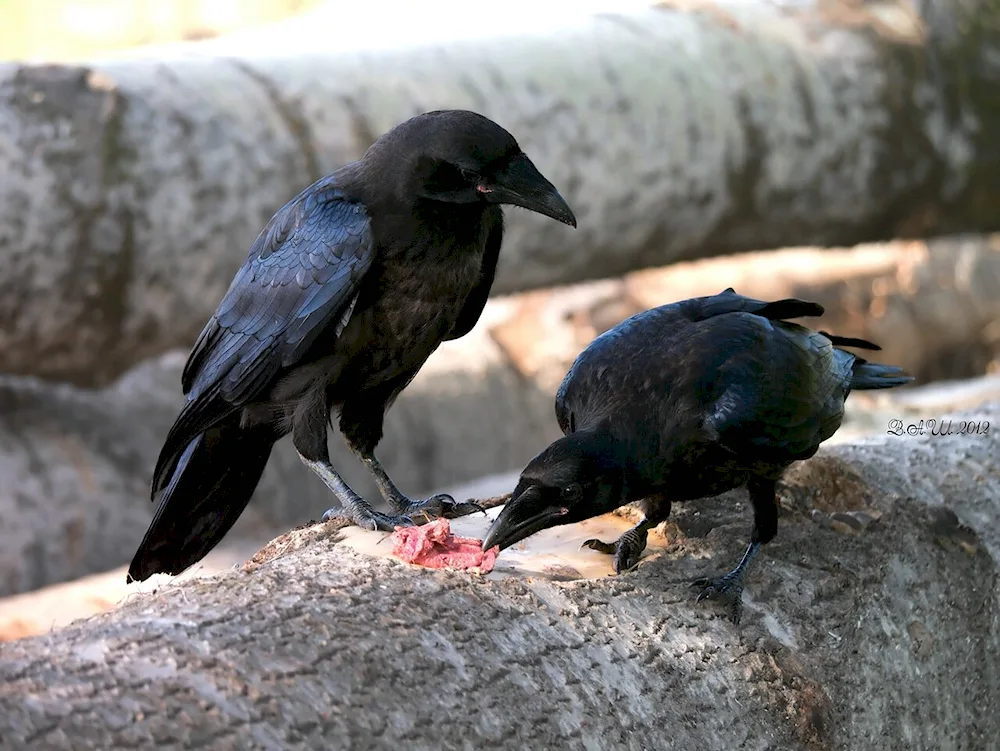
(627, 549)
(361, 422)
(310, 440)
(729, 587)
(354, 507)
(438, 505)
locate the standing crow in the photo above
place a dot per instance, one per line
(687, 401)
(342, 298)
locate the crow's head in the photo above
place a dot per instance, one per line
(579, 476)
(461, 157)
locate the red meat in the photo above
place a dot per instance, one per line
(434, 546)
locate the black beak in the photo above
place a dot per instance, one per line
(521, 184)
(520, 518)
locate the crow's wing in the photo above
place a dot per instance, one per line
(778, 401)
(300, 277)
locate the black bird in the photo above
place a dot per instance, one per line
(687, 401)
(342, 298)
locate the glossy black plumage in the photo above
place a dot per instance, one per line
(346, 292)
(687, 401)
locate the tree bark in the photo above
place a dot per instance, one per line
(135, 186)
(75, 464)
(870, 622)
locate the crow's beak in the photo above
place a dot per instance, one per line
(521, 184)
(522, 517)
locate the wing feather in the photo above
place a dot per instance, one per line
(302, 273)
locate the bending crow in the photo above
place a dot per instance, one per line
(687, 401)
(342, 298)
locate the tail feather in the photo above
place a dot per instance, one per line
(869, 375)
(211, 484)
(848, 341)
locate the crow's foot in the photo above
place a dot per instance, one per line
(353, 506)
(367, 518)
(626, 550)
(434, 507)
(727, 589)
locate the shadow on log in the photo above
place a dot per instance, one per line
(133, 187)
(873, 623)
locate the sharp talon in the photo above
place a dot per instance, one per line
(599, 545)
(330, 513)
(464, 508)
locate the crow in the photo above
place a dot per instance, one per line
(344, 295)
(687, 401)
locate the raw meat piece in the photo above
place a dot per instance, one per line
(434, 546)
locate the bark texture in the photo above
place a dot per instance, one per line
(75, 464)
(872, 621)
(134, 186)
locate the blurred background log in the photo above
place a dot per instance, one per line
(133, 186)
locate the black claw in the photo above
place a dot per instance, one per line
(469, 507)
(727, 589)
(430, 508)
(330, 513)
(601, 547)
(456, 509)
(437, 506)
(626, 550)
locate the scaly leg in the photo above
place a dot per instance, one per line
(729, 587)
(436, 506)
(628, 548)
(356, 508)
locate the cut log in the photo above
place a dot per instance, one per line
(75, 464)
(872, 621)
(133, 187)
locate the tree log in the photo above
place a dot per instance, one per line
(872, 621)
(75, 464)
(134, 186)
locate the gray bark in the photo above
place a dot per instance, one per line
(133, 187)
(75, 464)
(857, 634)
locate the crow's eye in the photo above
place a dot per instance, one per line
(572, 492)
